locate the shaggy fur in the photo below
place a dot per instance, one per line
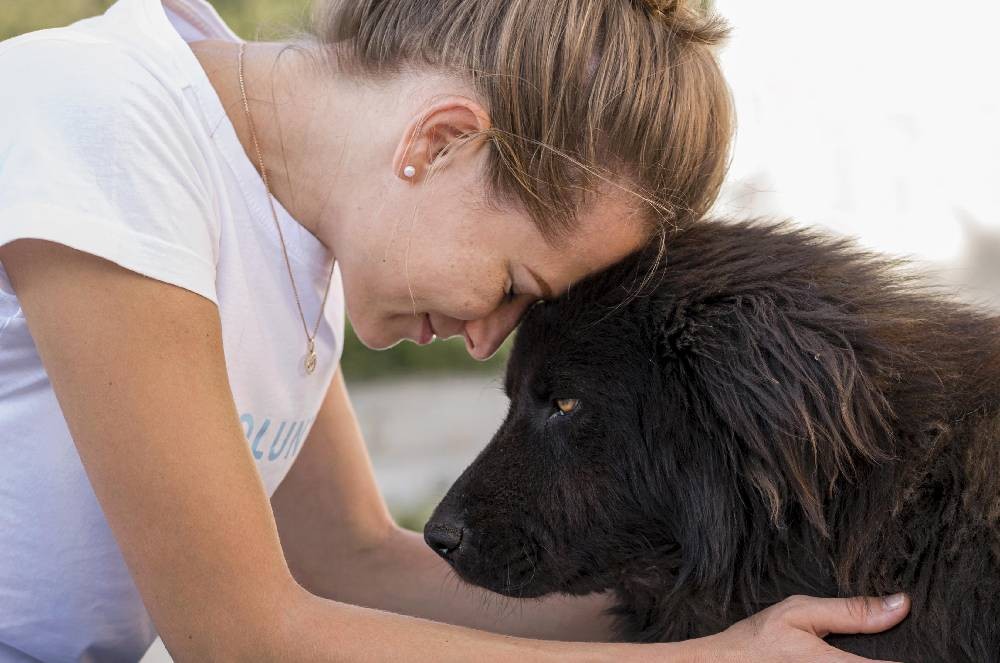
(764, 412)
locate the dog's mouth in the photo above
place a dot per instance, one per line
(518, 568)
(511, 567)
(516, 577)
(524, 578)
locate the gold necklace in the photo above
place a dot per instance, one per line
(310, 359)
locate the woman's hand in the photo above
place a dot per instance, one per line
(793, 630)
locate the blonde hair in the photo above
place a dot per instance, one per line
(580, 93)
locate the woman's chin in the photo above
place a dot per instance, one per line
(375, 340)
(390, 332)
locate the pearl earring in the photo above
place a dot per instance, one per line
(409, 171)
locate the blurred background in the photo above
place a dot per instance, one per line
(879, 119)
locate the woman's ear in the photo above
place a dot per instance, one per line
(430, 138)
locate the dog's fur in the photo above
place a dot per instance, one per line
(763, 412)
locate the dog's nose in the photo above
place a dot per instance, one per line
(445, 539)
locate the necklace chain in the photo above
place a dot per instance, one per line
(310, 359)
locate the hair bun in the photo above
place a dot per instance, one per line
(696, 24)
(664, 8)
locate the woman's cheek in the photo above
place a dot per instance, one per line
(479, 305)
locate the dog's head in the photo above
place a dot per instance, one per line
(665, 411)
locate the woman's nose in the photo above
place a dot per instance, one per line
(484, 337)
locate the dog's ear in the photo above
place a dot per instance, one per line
(781, 387)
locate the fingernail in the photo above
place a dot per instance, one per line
(894, 602)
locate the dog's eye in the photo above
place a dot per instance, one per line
(567, 405)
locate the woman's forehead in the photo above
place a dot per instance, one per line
(605, 234)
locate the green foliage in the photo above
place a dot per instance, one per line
(252, 19)
(360, 363)
(19, 16)
(264, 19)
(415, 518)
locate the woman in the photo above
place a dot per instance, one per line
(171, 321)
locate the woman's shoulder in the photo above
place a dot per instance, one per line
(130, 56)
(90, 106)
(76, 73)
(96, 152)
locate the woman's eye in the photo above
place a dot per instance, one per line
(567, 405)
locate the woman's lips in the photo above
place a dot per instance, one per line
(427, 332)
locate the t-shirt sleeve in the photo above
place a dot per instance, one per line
(97, 153)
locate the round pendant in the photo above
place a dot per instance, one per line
(310, 362)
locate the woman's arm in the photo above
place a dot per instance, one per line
(341, 543)
(129, 359)
(137, 366)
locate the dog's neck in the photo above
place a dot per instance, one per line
(869, 550)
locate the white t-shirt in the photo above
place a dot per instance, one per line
(114, 142)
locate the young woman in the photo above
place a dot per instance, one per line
(178, 446)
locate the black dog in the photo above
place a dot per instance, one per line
(760, 412)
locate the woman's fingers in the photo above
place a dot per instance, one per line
(854, 615)
(838, 656)
(793, 630)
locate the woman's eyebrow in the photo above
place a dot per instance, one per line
(542, 284)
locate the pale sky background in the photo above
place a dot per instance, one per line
(875, 119)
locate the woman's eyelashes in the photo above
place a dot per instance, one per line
(511, 293)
